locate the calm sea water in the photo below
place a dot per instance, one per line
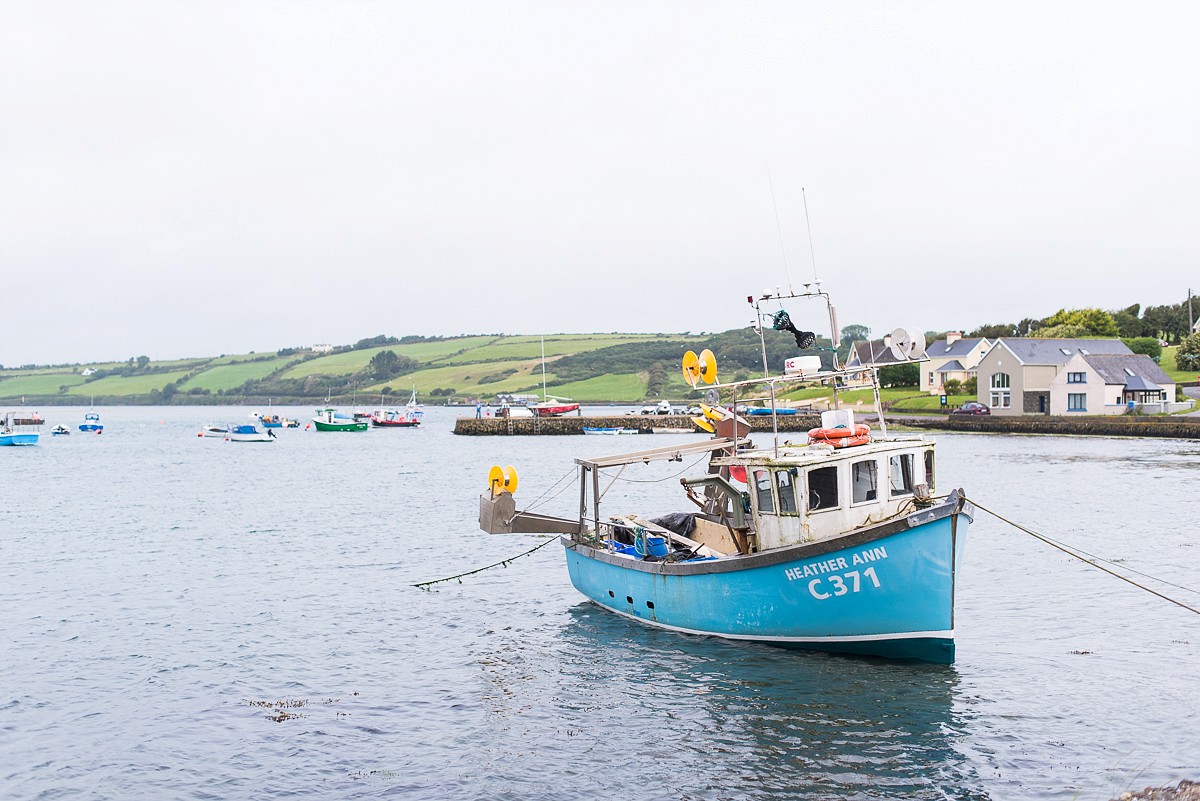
(161, 595)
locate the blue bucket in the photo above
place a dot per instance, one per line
(657, 546)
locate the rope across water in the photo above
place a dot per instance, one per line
(1089, 559)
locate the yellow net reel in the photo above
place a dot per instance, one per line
(691, 368)
(502, 479)
(708, 366)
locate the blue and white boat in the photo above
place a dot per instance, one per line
(17, 428)
(248, 432)
(91, 422)
(834, 544)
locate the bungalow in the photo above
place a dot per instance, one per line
(1110, 384)
(1015, 374)
(322, 348)
(951, 358)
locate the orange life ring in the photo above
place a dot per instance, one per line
(841, 437)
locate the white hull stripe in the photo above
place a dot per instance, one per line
(904, 635)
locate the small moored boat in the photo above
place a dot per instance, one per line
(608, 430)
(332, 420)
(91, 422)
(60, 431)
(248, 432)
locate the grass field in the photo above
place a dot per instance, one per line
(531, 347)
(131, 385)
(232, 376)
(463, 378)
(37, 384)
(616, 388)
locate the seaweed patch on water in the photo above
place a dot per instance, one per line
(373, 774)
(278, 710)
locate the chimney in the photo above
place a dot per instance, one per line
(953, 336)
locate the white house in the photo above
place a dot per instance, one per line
(951, 358)
(322, 348)
(1110, 384)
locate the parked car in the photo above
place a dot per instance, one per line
(972, 407)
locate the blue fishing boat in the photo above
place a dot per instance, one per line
(835, 544)
(20, 429)
(91, 422)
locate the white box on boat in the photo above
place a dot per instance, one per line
(802, 365)
(835, 418)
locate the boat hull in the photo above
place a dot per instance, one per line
(19, 439)
(886, 591)
(358, 425)
(554, 410)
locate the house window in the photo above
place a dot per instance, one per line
(787, 492)
(1001, 392)
(901, 472)
(1076, 378)
(931, 379)
(863, 482)
(822, 489)
(1076, 402)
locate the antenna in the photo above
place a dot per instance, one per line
(779, 226)
(808, 225)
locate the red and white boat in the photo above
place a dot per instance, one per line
(394, 418)
(553, 407)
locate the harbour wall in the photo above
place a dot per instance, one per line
(574, 424)
(1098, 426)
(1122, 426)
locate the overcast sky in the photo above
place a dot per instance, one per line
(194, 178)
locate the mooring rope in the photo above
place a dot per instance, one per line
(1071, 550)
(503, 562)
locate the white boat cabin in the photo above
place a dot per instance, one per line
(806, 493)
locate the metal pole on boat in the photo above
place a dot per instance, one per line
(583, 472)
(596, 499)
(878, 403)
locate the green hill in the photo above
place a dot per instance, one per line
(598, 368)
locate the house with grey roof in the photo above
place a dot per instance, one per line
(868, 353)
(951, 358)
(871, 352)
(1110, 384)
(1015, 374)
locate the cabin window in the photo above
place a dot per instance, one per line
(787, 492)
(863, 482)
(822, 488)
(901, 471)
(929, 470)
(762, 488)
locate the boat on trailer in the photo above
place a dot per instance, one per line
(837, 543)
